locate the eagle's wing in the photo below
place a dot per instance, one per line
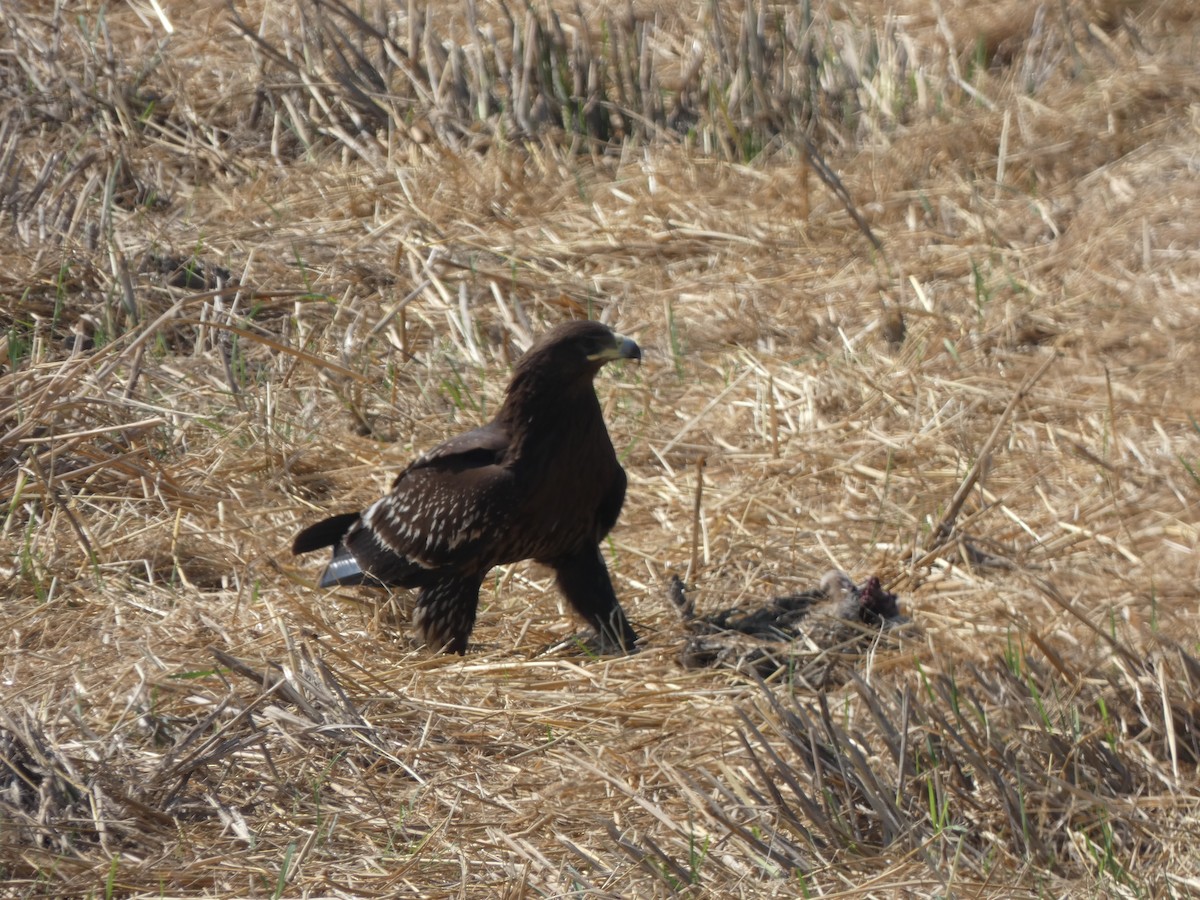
(441, 514)
(484, 446)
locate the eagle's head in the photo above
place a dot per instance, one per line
(574, 351)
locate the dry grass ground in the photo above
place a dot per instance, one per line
(244, 280)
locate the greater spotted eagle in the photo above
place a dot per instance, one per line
(540, 481)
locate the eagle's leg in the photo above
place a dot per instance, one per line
(445, 613)
(583, 580)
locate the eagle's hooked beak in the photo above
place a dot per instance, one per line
(621, 348)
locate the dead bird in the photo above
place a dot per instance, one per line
(812, 634)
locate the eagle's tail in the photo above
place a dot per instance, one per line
(343, 568)
(325, 533)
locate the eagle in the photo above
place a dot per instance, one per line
(540, 481)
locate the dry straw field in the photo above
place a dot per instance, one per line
(918, 289)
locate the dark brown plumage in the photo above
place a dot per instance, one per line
(540, 481)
